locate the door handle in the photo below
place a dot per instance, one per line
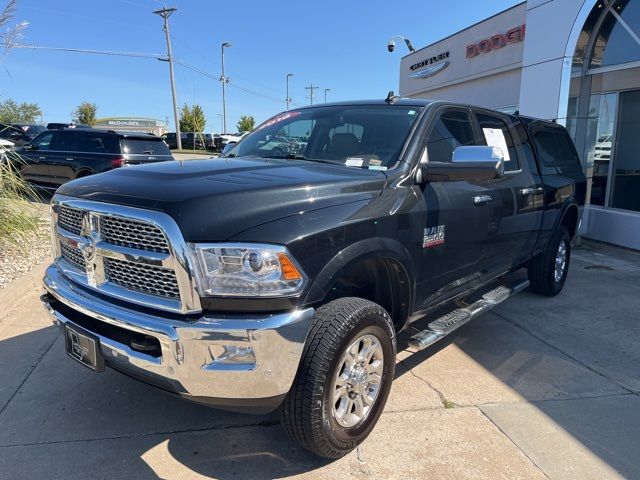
(70, 159)
(525, 192)
(42, 158)
(481, 199)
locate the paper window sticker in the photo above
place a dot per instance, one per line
(495, 138)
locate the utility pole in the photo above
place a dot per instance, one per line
(165, 13)
(325, 94)
(311, 89)
(289, 75)
(224, 81)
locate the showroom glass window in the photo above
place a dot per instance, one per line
(615, 43)
(625, 190)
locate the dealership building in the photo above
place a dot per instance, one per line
(133, 124)
(575, 61)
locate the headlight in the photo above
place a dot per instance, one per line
(247, 270)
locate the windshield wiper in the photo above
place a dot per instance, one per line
(298, 156)
(147, 152)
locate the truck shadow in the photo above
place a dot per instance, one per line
(535, 352)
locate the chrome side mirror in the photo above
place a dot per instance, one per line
(468, 163)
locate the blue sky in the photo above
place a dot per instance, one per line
(339, 45)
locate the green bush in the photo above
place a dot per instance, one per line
(18, 218)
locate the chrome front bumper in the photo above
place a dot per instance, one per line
(194, 359)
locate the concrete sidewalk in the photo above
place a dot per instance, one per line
(538, 388)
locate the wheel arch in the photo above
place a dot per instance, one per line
(378, 270)
(84, 172)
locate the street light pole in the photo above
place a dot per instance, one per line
(224, 81)
(165, 13)
(289, 75)
(325, 94)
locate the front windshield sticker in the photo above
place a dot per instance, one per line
(495, 138)
(278, 119)
(354, 162)
(377, 167)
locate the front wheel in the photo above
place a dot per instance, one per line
(344, 377)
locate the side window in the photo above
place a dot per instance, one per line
(554, 147)
(43, 141)
(495, 133)
(450, 131)
(65, 141)
(97, 143)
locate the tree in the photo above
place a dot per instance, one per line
(246, 124)
(13, 112)
(192, 119)
(85, 113)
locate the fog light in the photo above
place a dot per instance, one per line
(235, 355)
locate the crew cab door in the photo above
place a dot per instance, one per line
(63, 157)
(462, 217)
(518, 193)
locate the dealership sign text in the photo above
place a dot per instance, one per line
(496, 42)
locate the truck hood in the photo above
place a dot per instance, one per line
(212, 200)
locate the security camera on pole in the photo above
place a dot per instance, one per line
(391, 45)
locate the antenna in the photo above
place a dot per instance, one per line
(391, 97)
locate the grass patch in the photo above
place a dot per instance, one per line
(448, 403)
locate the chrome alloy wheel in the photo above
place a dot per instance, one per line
(561, 261)
(357, 381)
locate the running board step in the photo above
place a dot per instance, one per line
(453, 320)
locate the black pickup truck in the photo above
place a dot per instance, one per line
(276, 280)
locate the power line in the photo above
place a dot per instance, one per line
(157, 56)
(232, 72)
(230, 83)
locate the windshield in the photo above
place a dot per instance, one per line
(368, 136)
(34, 130)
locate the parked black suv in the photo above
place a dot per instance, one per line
(20, 133)
(56, 156)
(278, 280)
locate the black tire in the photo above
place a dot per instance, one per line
(542, 269)
(306, 412)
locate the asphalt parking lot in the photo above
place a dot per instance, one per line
(538, 388)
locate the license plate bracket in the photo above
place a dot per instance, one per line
(83, 347)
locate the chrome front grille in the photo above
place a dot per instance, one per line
(147, 279)
(70, 219)
(134, 255)
(130, 233)
(73, 256)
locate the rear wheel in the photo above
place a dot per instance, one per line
(344, 378)
(548, 272)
